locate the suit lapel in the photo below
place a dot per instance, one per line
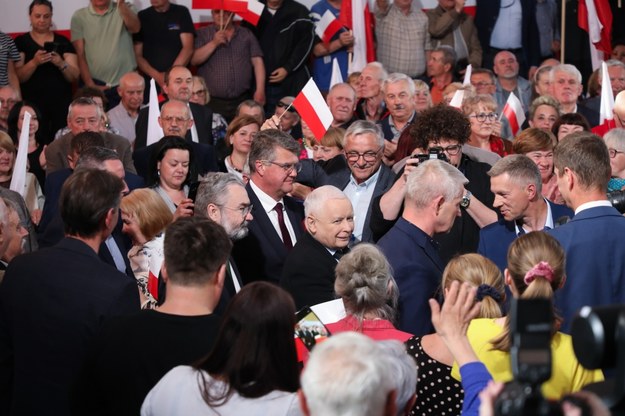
(263, 224)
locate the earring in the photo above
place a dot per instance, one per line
(158, 172)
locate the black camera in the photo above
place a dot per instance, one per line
(617, 199)
(530, 356)
(434, 153)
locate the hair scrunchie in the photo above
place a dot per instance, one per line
(487, 290)
(541, 269)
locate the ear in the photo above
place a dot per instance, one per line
(260, 168)
(71, 162)
(447, 67)
(390, 409)
(571, 179)
(119, 90)
(302, 402)
(110, 218)
(410, 405)
(311, 225)
(531, 191)
(164, 274)
(190, 123)
(509, 282)
(220, 278)
(438, 203)
(160, 123)
(213, 212)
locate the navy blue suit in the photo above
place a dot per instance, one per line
(595, 262)
(418, 269)
(495, 238)
(261, 255)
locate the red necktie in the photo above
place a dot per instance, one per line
(286, 237)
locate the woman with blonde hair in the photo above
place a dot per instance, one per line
(330, 145)
(422, 96)
(145, 216)
(482, 112)
(434, 360)
(535, 270)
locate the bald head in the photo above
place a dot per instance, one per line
(619, 109)
(175, 119)
(131, 87)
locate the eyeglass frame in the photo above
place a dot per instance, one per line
(481, 117)
(613, 152)
(244, 211)
(364, 155)
(286, 167)
(447, 149)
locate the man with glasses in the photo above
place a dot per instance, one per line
(443, 129)
(178, 86)
(222, 198)
(277, 225)
(516, 183)
(8, 98)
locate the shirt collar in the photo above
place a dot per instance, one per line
(92, 10)
(548, 221)
(592, 204)
(372, 180)
(266, 201)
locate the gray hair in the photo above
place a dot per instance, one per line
(347, 375)
(213, 189)
(615, 139)
(520, 168)
(569, 69)
(4, 214)
(434, 178)
(610, 63)
(316, 200)
(94, 157)
(16, 95)
(342, 85)
(544, 100)
(265, 143)
(405, 370)
(360, 127)
(396, 77)
(383, 74)
(83, 102)
(449, 55)
(364, 280)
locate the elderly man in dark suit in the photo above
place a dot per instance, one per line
(308, 272)
(53, 301)
(593, 239)
(434, 191)
(515, 181)
(278, 218)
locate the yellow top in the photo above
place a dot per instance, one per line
(567, 374)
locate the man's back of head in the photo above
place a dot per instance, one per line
(348, 375)
(80, 143)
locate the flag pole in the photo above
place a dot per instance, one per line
(285, 110)
(228, 21)
(563, 32)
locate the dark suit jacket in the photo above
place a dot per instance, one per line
(595, 264)
(52, 302)
(336, 172)
(204, 159)
(308, 273)
(497, 237)
(591, 115)
(202, 119)
(418, 270)
(261, 255)
(229, 290)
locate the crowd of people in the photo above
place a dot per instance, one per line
(163, 276)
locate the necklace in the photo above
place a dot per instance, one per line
(234, 167)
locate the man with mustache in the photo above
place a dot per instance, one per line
(400, 98)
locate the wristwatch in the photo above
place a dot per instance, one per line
(466, 200)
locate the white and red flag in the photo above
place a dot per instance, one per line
(606, 109)
(456, 100)
(155, 261)
(155, 132)
(18, 179)
(313, 109)
(327, 27)
(595, 17)
(253, 12)
(513, 111)
(356, 15)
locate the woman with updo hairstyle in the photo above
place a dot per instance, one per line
(481, 109)
(434, 361)
(535, 271)
(538, 145)
(365, 283)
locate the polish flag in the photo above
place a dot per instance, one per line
(606, 110)
(155, 132)
(356, 15)
(234, 6)
(155, 261)
(327, 27)
(253, 12)
(513, 111)
(458, 97)
(595, 17)
(336, 77)
(18, 179)
(313, 109)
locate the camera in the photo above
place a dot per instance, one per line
(617, 199)
(52, 47)
(434, 153)
(530, 356)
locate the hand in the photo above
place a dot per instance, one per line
(453, 319)
(596, 405)
(35, 216)
(41, 57)
(459, 5)
(497, 126)
(411, 165)
(278, 75)
(272, 122)
(42, 158)
(259, 97)
(346, 38)
(220, 38)
(389, 148)
(488, 396)
(57, 60)
(159, 78)
(184, 209)
(122, 6)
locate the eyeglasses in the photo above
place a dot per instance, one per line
(452, 150)
(282, 104)
(482, 84)
(169, 119)
(244, 210)
(483, 116)
(199, 92)
(614, 152)
(369, 156)
(286, 167)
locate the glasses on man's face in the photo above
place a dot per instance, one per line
(244, 210)
(286, 167)
(613, 152)
(481, 117)
(282, 104)
(451, 150)
(169, 119)
(369, 157)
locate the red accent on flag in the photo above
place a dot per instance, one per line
(153, 284)
(509, 113)
(328, 26)
(207, 4)
(347, 19)
(604, 14)
(253, 11)
(235, 6)
(513, 111)
(313, 109)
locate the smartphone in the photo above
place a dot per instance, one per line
(193, 187)
(309, 328)
(52, 47)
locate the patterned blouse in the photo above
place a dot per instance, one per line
(437, 392)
